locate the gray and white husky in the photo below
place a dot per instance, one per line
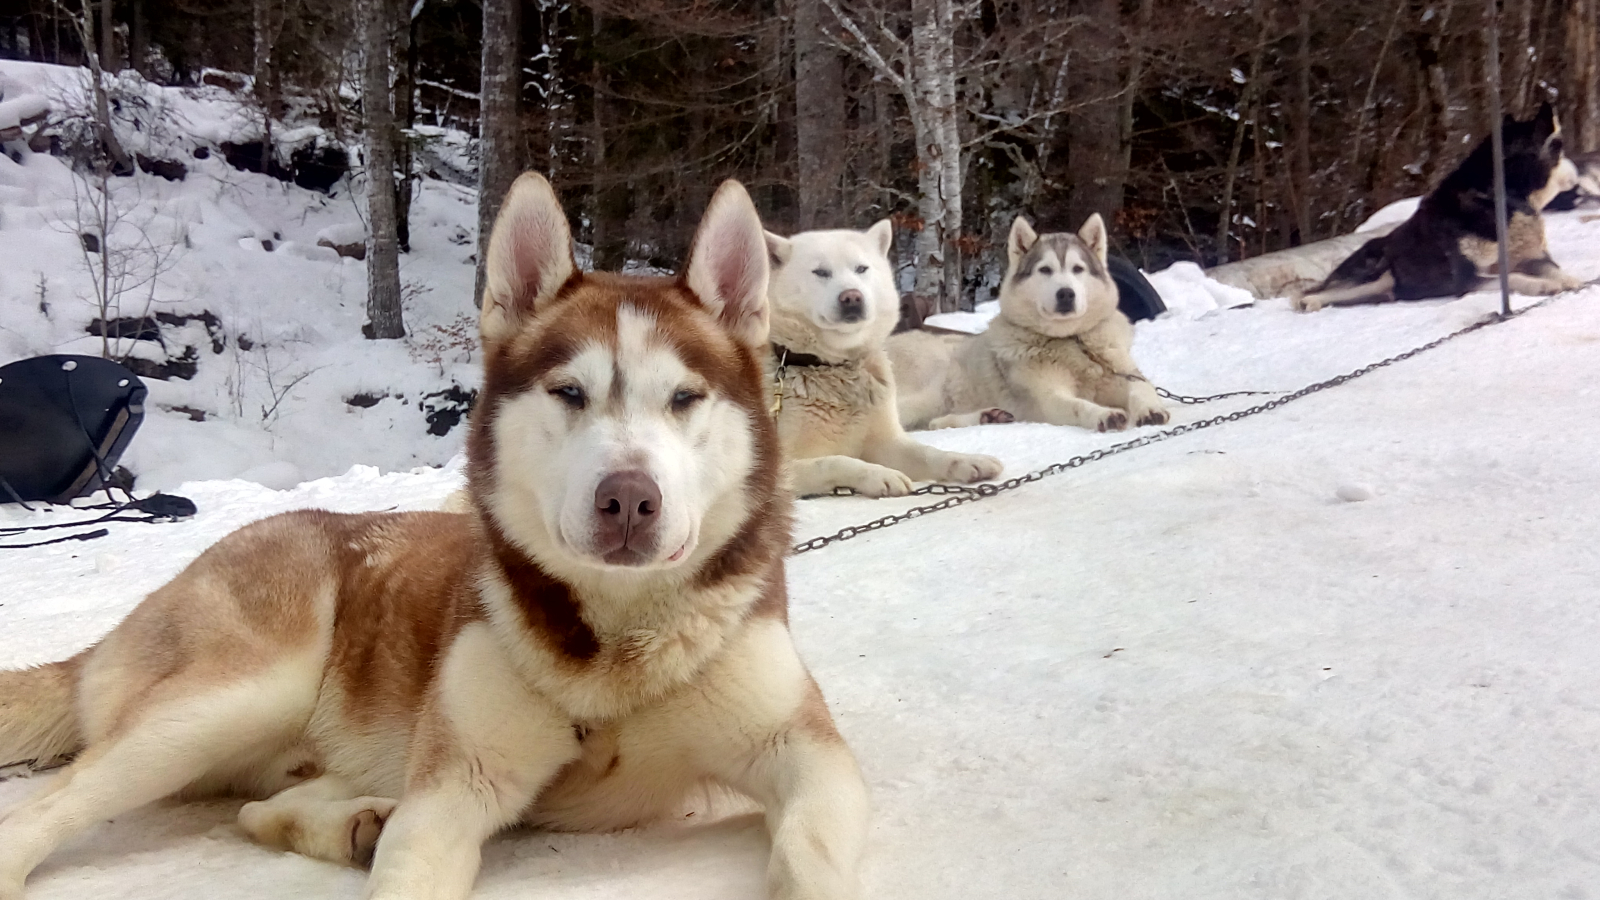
(1058, 352)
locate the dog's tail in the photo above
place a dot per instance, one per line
(38, 712)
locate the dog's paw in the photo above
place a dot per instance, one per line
(995, 416)
(1112, 420)
(366, 827)
(881, 481)
(1157, 416)
(1305, 303)
(966, 468)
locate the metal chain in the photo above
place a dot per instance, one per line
(961, 494)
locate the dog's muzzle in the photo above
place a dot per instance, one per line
(1066, 300)
(852, 306)
(627, 508)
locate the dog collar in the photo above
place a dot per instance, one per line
(784, 357)
(789, 359)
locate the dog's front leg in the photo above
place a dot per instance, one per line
(1061, 408)
(821, 474)
(485, 746)
(887, 444)
(817, 816)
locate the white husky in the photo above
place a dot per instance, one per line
(600, 636)
(1059, 351)
(834, 304)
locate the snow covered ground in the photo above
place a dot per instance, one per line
(286, 352)
(1191, 670)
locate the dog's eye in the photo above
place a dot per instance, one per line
(861, 270)
(1556, 146)
(571, 395)
(1077, 270)
(686, 398)
(1046, 270)
(822, 273)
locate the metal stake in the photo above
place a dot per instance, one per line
(1497, 141)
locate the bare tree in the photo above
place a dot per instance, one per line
(498, 158)
(83, 23)
(385, 319)
(819, 107)
(923, 71)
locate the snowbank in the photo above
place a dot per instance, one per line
(284, 386)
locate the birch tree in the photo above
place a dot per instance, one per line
(923, 71)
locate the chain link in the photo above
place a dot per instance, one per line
(961, 494)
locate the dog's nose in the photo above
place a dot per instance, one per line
(852, 306)
(627, 507)
(1065, 298)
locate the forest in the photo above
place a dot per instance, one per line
(1203, 130)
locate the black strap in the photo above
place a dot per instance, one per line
(792, 360)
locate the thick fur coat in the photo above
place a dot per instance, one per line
(601, 635)
(1058, 352)
(833, 306)
(1449, 247)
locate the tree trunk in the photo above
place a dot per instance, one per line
(499, 161)
(1247, 116)
(139, 40)
(120, 163)
(1300, 125)
(265, 37)
(611, 203)
(384, 317)
(108, 38)
(1583, 72)
(935, 122)
(405, 56)
(1094, 140)
(819, 108)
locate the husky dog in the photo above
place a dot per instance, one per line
(1448, 246)
(1058, 352)
(833, 305)
(601, 635)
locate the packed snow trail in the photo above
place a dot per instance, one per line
(1189, 670)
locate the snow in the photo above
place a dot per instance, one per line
(1340, 649)
(344, 233)
(973, 322)
(1393, 214)
(291, 351)
(15, 111)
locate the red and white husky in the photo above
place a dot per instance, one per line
(603, 633)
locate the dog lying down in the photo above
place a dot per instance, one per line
(1449, 247)
(834, 304)
(1058, 352)
(598, 639)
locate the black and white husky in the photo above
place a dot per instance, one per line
(1448, 247)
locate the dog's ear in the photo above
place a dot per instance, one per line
(728, 267)
(780, 250)
(882, 232)
(529, 257)
(1021, 240)
(1093, 233)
